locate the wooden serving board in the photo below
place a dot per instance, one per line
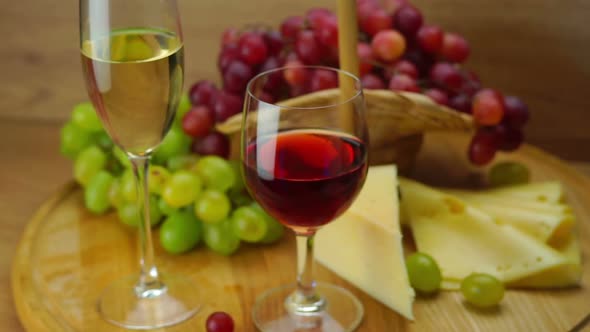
(67, 256)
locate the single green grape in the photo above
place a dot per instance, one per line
(180, 232)
(183, 107)
(482, 290)
(180, 162)
(216, 172)
(86, 118)
(157, 178)
(182, 188)
(166, 209)
(239, 184)
(89, 162)
(239, 198)
(508, 173)
(423, 272)
(103, 140)
(128, 186)
(274, 229)
(96, 193)
(129, 214)
(174, 144)
(115, 193)
(73, 139)
(220, 238)
(249, 224)
(122, 157)
(212, 206)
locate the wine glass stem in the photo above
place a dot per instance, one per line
(149, 284)
(305, 294)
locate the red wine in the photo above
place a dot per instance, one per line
(305, 178)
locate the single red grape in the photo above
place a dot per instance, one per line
(375, 21)
(274, 42)
(307, 48)
(517, 112)
(201, 92)
(391, 6)
(266, 97)
(228, 54)
(219, 322)
(253, 50)
(388, 45)
(198, 121)
(225, 105)
(471, 84)
(488, 107)
(326, 31)
(230, 36)
(236, 77)
(403, 82)
(291, 27)
(314, 16)
(439, 96)
(461, 102)
(407, 19)
(430, 38)
(406, 67)
(295, 75)
(420, 59)
(214, 143)
(446, 75)
(372, 81)
(455, 48)
(513, 138)
(274, 79)
(322, 79)
(483, 147)
(364, 9)
(365, 54)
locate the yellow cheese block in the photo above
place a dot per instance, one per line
(364, 246)
(463, 239)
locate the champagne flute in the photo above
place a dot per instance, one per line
(132, 58)
(305, 163)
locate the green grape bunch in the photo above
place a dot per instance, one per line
(194, 198)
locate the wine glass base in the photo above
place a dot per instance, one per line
(342, 312)
(120, 305)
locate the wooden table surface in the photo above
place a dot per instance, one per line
(537, 49)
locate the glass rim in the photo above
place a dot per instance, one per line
(358, 88)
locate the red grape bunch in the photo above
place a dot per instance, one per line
(397, 49)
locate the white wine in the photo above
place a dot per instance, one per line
(134, 78)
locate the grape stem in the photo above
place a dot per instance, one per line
(149, 284)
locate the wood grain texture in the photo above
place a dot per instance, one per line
(536, 49)
(67, 256)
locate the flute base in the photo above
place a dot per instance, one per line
(338, 311)
(120, 304)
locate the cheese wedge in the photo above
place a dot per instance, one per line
(463, 239)
(364, 245)
(536, 191)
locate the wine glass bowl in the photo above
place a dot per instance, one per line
(132, 59)
(304, 161)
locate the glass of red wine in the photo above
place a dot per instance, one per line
(304, 161)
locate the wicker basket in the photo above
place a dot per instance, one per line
(397, 122)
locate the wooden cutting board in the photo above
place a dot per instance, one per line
(67, 256)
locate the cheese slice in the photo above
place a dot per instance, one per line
(364, 245)
(565, 275)
(550, 222)
(464, 240)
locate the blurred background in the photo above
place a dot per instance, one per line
(535, 49)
